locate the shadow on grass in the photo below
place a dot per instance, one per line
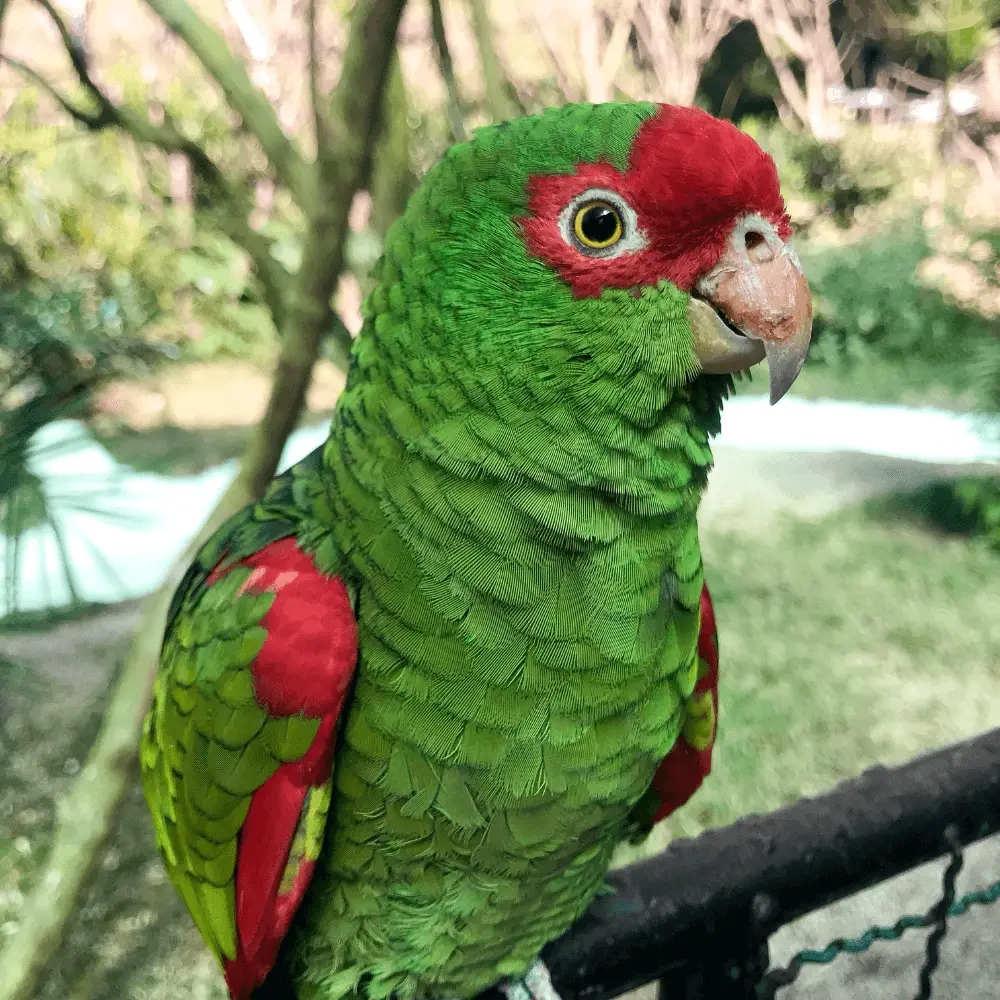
(175, 451)
(968, 507)
(43, 620)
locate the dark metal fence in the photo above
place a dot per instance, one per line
(697, 917)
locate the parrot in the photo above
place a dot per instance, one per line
(410, 701)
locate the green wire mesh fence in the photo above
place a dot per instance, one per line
(937, 917)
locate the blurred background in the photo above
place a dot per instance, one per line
(159, 221)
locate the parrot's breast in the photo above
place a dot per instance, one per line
(527, 602)
(488, 766)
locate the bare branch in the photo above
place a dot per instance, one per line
(4, 6)
(447, 71)
(492, 73)
(320, 125)
(78, 58)
(614, 54)
(393, 178)
(356, 103)
(247, 100)
(680, 38)
(595, 85)
(801, 28)
(354, 112)
(255, 39)
(783, 28)
(599, 71)
(925, 84)
(978, 157)
(569, 90)
(85, 118)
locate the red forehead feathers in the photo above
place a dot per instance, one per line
(690, 177)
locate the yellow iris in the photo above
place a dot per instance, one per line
(597, 225)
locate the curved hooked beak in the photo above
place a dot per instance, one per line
(754, 303)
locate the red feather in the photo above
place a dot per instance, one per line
(304, 667)
(682, 771)
(690, 177)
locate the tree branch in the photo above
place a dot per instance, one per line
(321, 128)
(925, 84)
(588, 49)
(492, 74)
(345, 167)
(85, 821)
(793, 93)
(244, 98)
(614, 54)
(569, 90)
(4, 6)
(447, 70)
(235, 201)
(85, 118)
(393, 178)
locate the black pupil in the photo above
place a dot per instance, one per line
(599, 224)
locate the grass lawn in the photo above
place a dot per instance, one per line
(844, 642)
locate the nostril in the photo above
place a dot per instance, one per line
(759, 250)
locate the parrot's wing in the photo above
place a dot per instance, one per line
(684, 768)
(237, 750)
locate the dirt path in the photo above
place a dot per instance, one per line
(747, 489)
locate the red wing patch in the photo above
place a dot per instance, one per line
(304, 667)
(683, 769)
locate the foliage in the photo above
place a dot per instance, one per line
(949, 34)
(95, 210)
(870, 300)
(838, 178)
(58, 347)
(875, 299)
(974, 507)
(967, 506)
(840, 191)
(70, 202)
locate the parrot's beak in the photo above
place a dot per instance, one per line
(754, 303)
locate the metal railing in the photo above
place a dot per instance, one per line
(697, 917)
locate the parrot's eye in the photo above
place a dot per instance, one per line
(600, 223)
(597, 225)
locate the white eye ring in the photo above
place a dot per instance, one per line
(632, 238)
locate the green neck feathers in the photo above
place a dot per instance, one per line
(511, 434)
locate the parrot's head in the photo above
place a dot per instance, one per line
(610, 262)
(694, 208)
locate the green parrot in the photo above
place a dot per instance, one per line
(409, 702)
